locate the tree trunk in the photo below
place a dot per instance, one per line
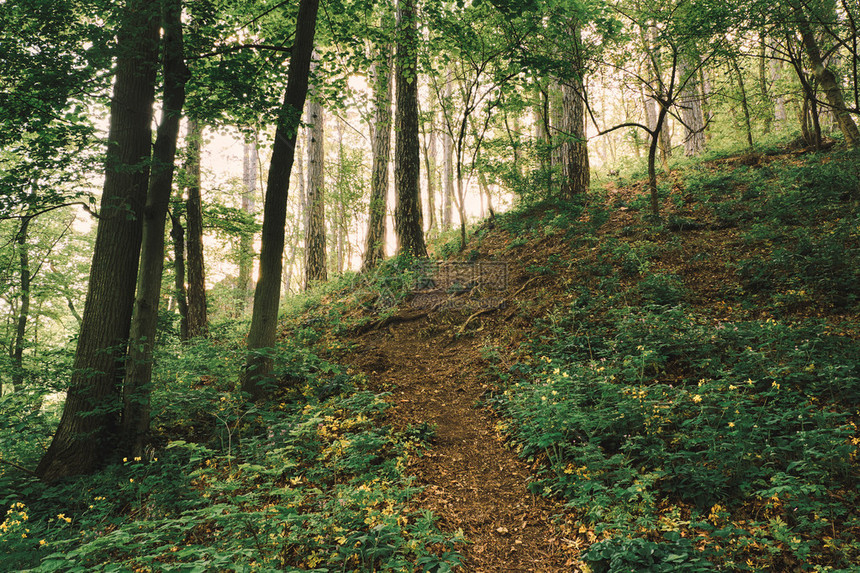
(374, 250)
(448, 162)
(654, 109)
(250, 160)
(660, 122)
(430, 167)
(827, 81)
(177, 234)
(555, 129)
(690, 103)
(24, 309)
(575, 174)
(408, 223)
(744, 101)
(315, 236)
(87, 436)
(340, 230)
(198, 321)
(138, 373)
(762, 84)
(256, 377)
(779, 112)
(707, 111)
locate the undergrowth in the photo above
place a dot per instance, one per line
(713, 437)
(314, 481)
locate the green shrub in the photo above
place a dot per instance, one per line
(662, 289)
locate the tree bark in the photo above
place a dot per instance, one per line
(374, 250)
(256, 377)
(575, 173)
(762, 84)
(408, 222)
(250, 159)
(430, 168)
(24, 309)
(177, 235)
(827, 80)
(690, 103)
(87, 436)
(744, 101)
(138, 373)
(198, 321)
(448, 162)
(315, 236)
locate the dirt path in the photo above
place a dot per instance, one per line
(472, 482)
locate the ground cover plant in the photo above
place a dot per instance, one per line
(312, 482)
(684, 390)
(694, 427)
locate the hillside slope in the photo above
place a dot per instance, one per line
(602, 389)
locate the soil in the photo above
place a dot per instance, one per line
(472, 481)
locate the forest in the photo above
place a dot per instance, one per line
(429, 285)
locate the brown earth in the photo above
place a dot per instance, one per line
(472, 482)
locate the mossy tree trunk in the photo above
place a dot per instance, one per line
(138, 374)
(408, 221)
(198, 320)
(89, 430)
(374, 250)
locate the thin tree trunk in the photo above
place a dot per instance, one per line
(543, 139)
(256, 377)
(88, 434)
(138, 374)
(654, 109)
(762, 84)
(485, 189)
(340, 226)
(707, 111)
(408, 221)
(250, 160)
(744, 101)
(198, 321)
(448, 163)
(315, 236)
(374, 250)
(24, 309)
(827, 81)
(177, 234)
(430, 167)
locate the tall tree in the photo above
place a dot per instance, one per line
(315, 236)
(88, 433)
(24, 308)
(690, 103)
(408, 221)
(138, 375)
(380, 136)
(177, 235)
(575, 170)
(447, 160)
(250, 159)
(825, 76)
(256, 380)
(198, 318)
